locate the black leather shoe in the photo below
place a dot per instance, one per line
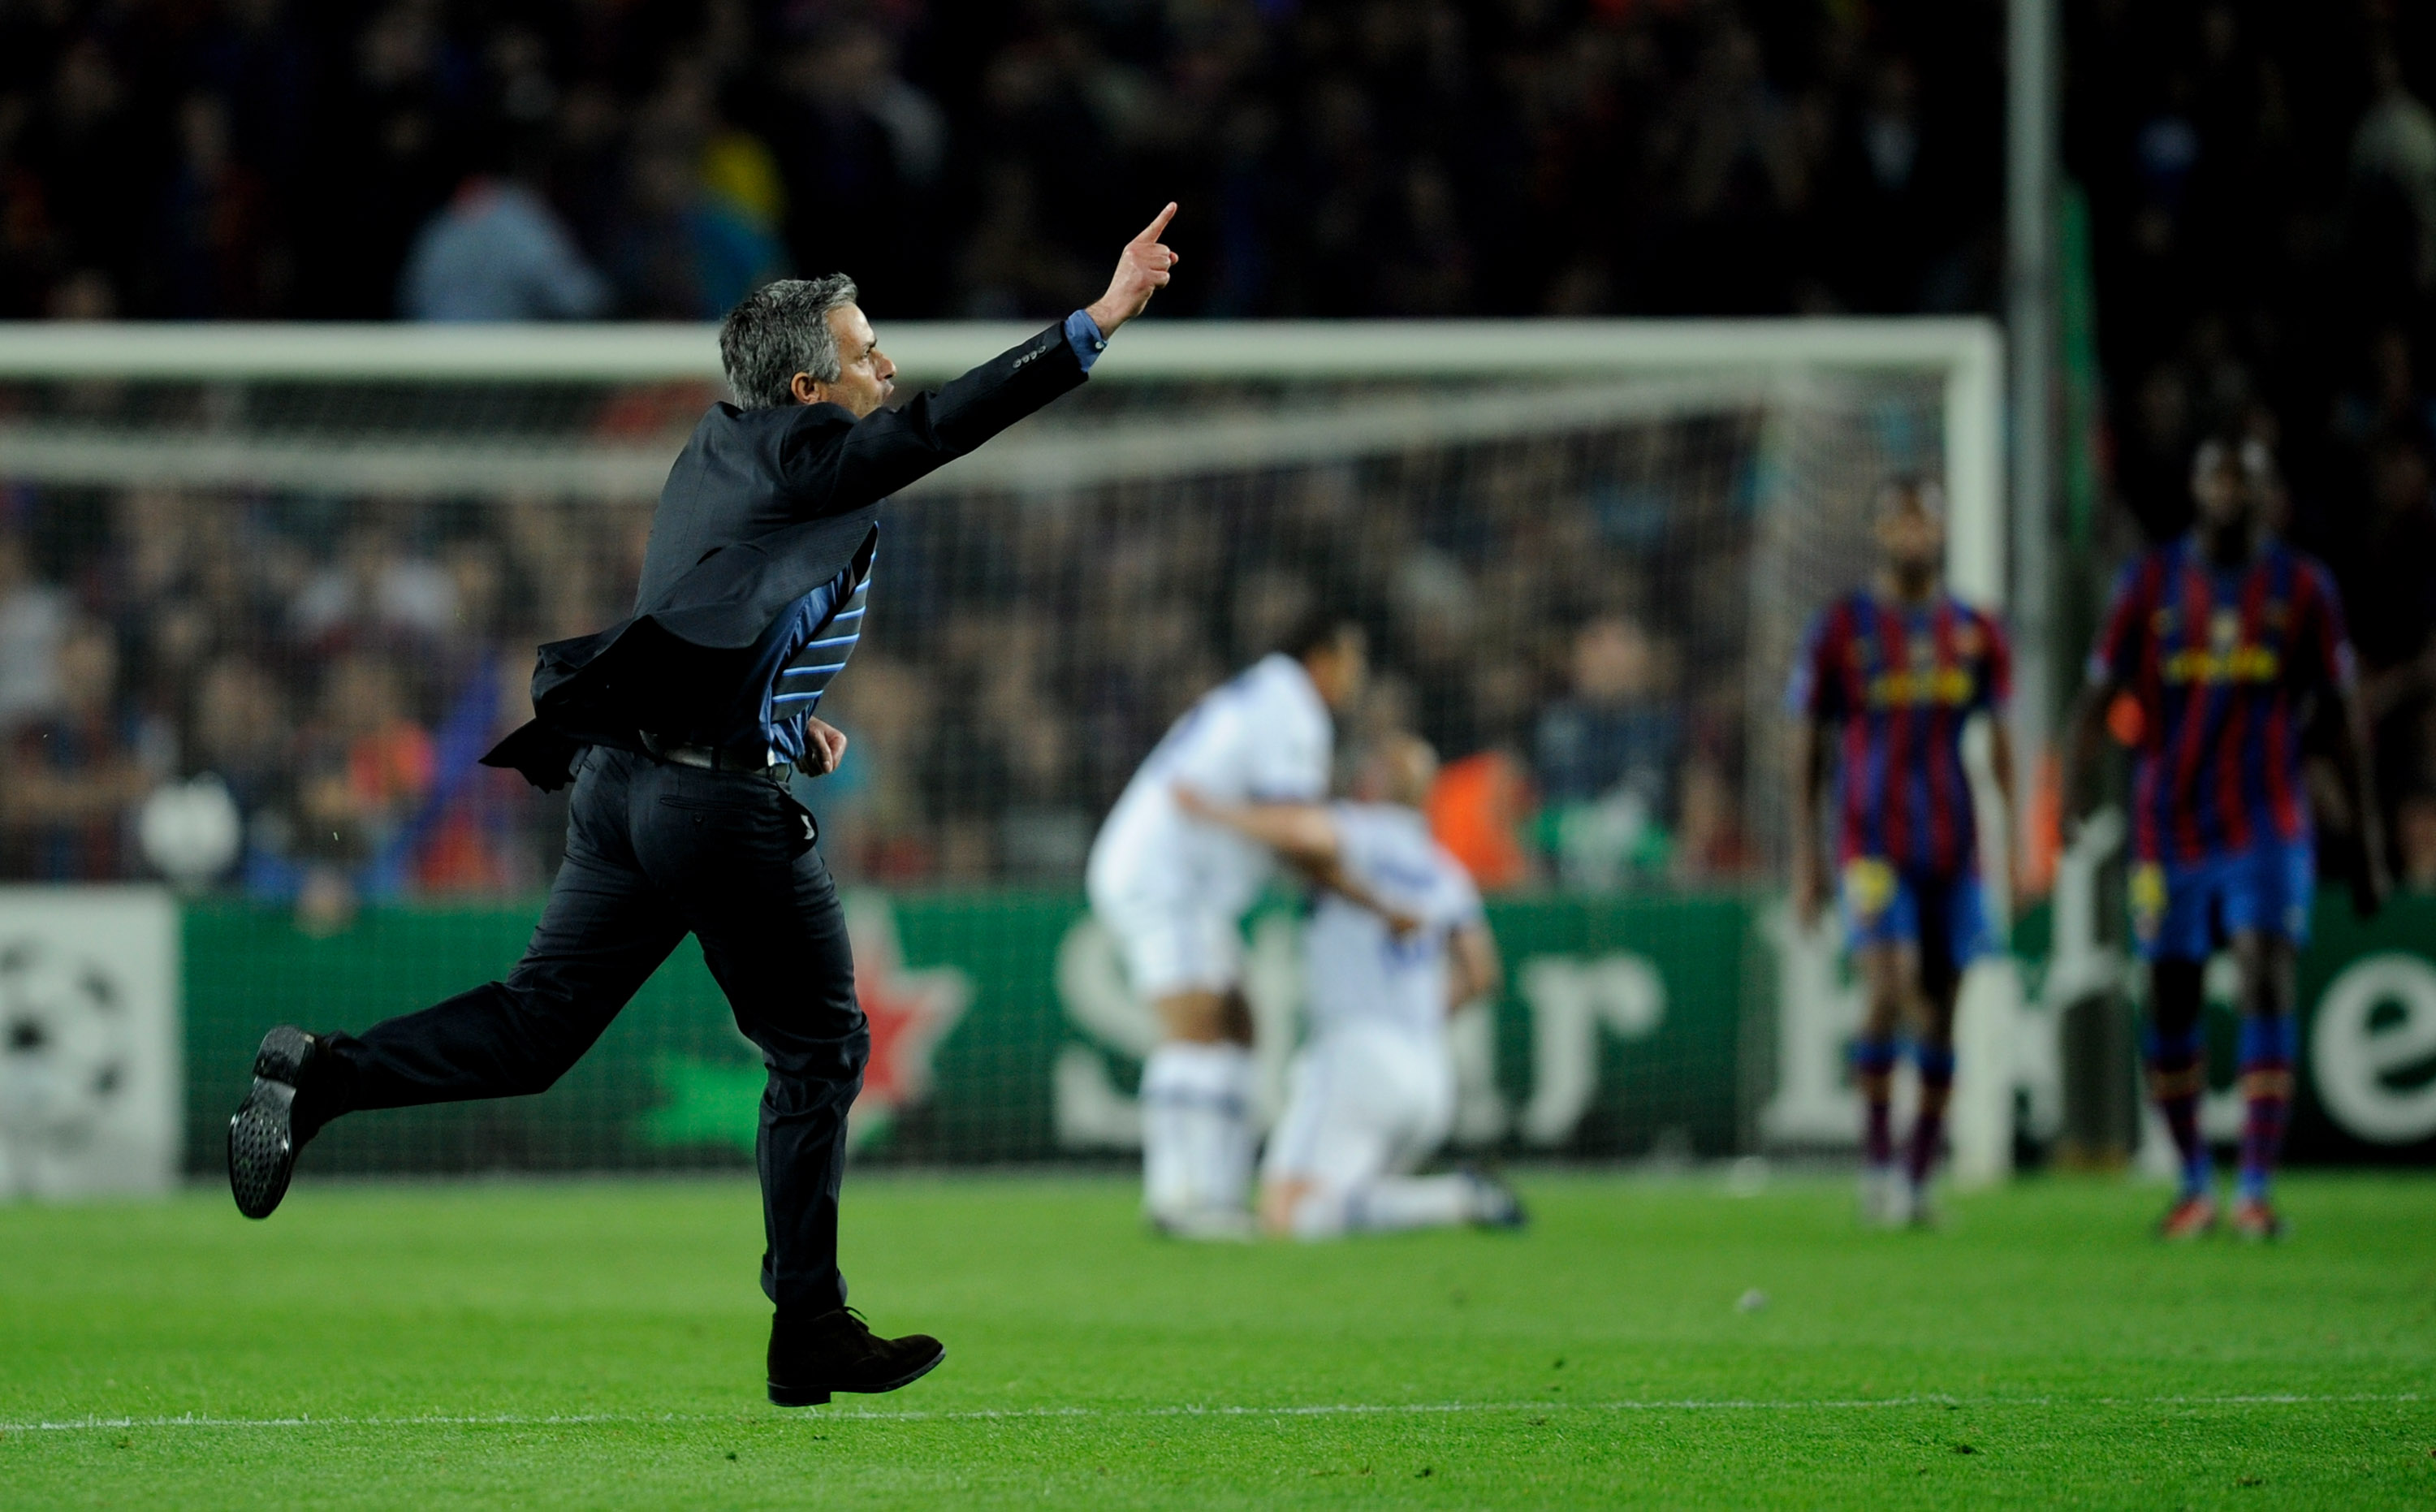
(263, 1136)
(837, 1351)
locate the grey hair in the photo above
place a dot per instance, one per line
(779, 330)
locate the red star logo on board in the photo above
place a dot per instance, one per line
(910, 1012)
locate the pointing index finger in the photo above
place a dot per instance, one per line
(1150, 232)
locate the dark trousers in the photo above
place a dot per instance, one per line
(652, 853)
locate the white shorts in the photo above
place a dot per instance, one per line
(1168, 949)
(1362, 1101)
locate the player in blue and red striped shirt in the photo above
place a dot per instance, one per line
(2228, 642)
(1887, 680)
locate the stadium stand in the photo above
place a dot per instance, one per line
(255, 159)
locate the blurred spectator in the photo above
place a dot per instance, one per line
(497, 253)
(2387, 571)
(1478, 810)
(241, 731)
(1605, 756)
(215, 234)
(864, 150)
(375, 591)
(1619, 728)
(699, 228)
(33, 619)
(2394, 158)
(365, 764)
(73, 774)
(93, 154)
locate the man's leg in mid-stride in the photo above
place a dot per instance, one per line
(740, 856)
(605, 929)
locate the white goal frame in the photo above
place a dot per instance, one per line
(1661, 363)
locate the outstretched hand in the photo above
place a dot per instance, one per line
(1141, 270)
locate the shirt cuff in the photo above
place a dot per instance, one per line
(1082, 335)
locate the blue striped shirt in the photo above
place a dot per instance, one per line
(800, 656)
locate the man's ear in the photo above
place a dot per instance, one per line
(805, 389)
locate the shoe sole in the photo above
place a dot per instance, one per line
(819, 1396)
(262, 1131)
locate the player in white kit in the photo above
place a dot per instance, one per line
(1374, 1091)
(1173, 890)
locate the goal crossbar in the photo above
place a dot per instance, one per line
(1729, 359)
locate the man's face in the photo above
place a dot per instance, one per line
(865, 377)
(1911, 533)
(2221, 494)
(1339, 671)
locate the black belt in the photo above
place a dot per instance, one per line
(716, 758)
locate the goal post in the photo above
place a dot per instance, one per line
(342, 513)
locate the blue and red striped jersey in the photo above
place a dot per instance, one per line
(1902, 681)
(2225, 662)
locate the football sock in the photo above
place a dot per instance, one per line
(1873, 1066)
(1233, 1143)
(2177, 1076)
(1936, 1064)
(1406, 1202)
(1196, 1127)
(2267, 1046)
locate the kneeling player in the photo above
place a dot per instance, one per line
(1173, 890)
(1374, 1092)
(2229, 640)
(1889, 678)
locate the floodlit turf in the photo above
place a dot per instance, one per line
(599, 1343)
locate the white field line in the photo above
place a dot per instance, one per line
(1314, 1410)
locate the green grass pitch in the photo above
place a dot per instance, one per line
(588, 1344)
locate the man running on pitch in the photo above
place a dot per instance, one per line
(2230, 642)
(680, 728)
(1888, 679)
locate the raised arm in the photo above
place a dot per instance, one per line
(889, 449)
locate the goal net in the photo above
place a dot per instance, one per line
(277, 587)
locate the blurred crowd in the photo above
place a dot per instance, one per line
(2260, 250)
(287, 695)
(656, 158)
